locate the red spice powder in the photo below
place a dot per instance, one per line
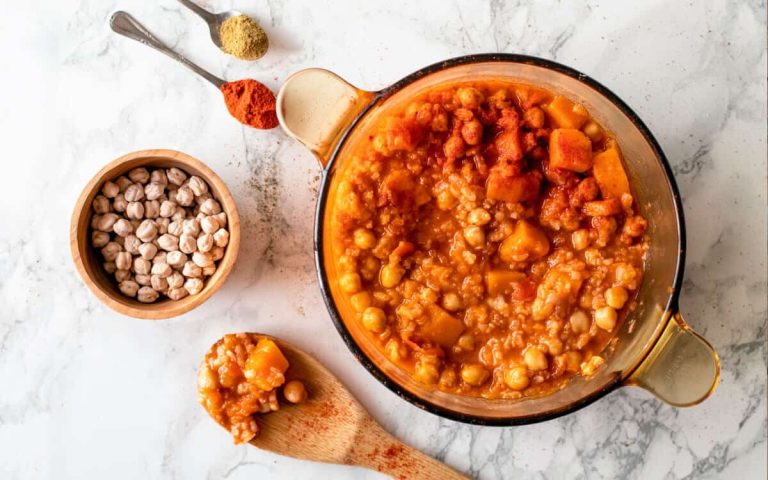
(251, 103)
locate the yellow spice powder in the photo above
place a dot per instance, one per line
(243, 38)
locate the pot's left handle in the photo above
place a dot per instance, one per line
(316, 106)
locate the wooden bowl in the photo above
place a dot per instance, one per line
(89, 262)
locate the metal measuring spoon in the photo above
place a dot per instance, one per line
(214, 21)
(127, 26)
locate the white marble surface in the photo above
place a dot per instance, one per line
(87, 393)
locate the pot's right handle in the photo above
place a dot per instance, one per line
(682, 369)
(315, 106)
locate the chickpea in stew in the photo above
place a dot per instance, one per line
(486, 238)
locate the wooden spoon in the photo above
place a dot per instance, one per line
(332, 427)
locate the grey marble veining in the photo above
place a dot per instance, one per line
(90, 394)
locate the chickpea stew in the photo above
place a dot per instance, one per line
(240, 377)
(485, 237)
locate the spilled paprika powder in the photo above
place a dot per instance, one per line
(251, 103)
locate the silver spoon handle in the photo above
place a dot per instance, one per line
(203, 13)
(127, 26)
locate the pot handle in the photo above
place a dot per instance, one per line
(682, 369)
(315, 106)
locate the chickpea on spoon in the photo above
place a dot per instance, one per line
(322, 421)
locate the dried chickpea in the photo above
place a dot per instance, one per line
(606, 318)
(134, 193)
(122, 228)
(176, 259)
(139, 175)
(535, 359)
(210, 207)
(191, 226)
(123, 183)
(190, 270)
(209, 224)
(176, 176)
(187, 243)
(110, 189)
(616, 297)
(474, 374)
(131, 244)
(129, 288)
(205, 242)
(147, 231)
(374, 319)
(177, 293)
(179, 215)
(147, 295)
(517, 378)
(162, 269)
(122, 275)
(168, 208)
(123, 261)
(168, 242)
(197, 185)
(147, 251)
(217, 253)
(110, 251)
(99, 239)
(193, 286)
(101, 204)
(221, 238)
(119, 204)
(185, 196)
(158, 283)
(350, 283)
(160, 257)
(151, 209)
(175, 228)
(364, 239)
(202, 259)
(200, 199)
(105, 222)
(295, 391)
(159, 176)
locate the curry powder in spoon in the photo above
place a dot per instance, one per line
(243, 38)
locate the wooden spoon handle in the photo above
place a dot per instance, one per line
(376, 449)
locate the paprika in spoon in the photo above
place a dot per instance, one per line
(249, 101)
